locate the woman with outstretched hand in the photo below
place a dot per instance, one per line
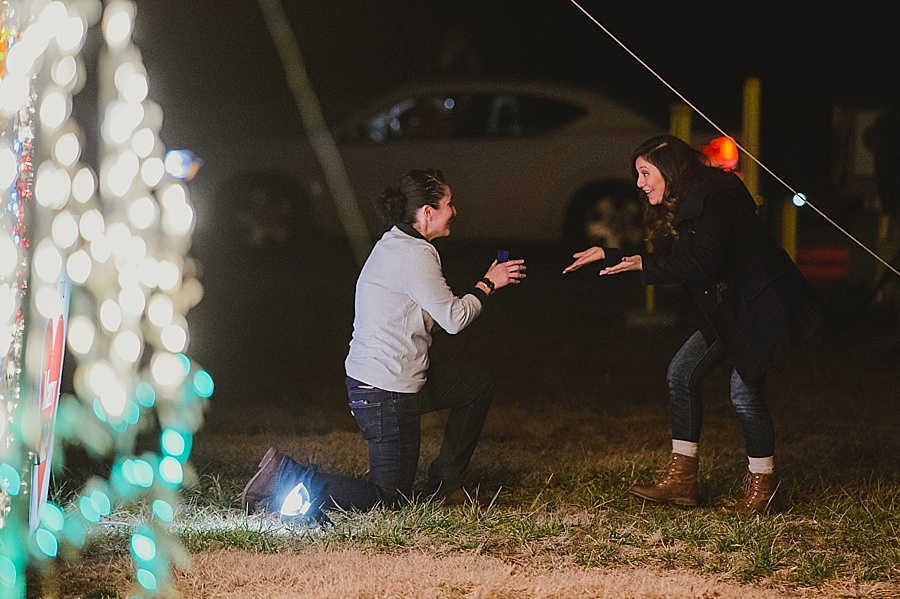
(752, 302)
(401, 294)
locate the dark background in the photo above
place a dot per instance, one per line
(215, 70)
(215, 56)
(216, 73)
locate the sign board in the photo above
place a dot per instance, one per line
(47, 386)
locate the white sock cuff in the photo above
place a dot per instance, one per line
(688, 448)
(764, 465)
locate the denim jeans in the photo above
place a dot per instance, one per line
(390, 423)
(687, 370)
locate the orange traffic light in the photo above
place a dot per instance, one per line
(722, 153)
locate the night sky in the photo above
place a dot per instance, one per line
(214, 68)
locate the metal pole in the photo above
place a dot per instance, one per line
(750, 137)
(680, 127)
(789, 229)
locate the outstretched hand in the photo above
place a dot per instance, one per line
(506, 273)
(628, 263)
(592, 254)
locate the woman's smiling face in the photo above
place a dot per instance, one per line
(650, 181)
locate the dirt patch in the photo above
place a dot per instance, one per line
(351, 574)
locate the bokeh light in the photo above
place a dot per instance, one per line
(117, 230)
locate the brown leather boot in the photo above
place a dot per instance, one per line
(261, 487)
(678, 486)
(759, 495)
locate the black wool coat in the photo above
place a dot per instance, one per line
(748, 292)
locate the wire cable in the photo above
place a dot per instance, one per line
(742, 149)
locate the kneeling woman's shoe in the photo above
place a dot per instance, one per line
(678, 486)
(261, 488)
(759, 495)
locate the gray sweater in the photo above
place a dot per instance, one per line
(400, 294)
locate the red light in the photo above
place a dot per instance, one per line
(722, 153)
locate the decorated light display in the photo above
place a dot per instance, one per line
(93, 259)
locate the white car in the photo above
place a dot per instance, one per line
(526, 162)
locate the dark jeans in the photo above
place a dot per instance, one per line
(687, 370)
(390, 423)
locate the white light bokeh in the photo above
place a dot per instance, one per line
(53, 16)
(167, 369)
(100, 249)
(65, 72)
(103, 382)
(55, 109)
(122, 118)
(52, 187)
(67, 149)
(179, 220)
(128, 346)
(118, 22)
(142, 213)
(143, 142)
(9, 167)
(8, 297)
(91, 225)
(9, 256)
(120, 174)
(64, 229)
(48, 262)
(84, 185)
(110, 316)
(81, 334)
(70, 37)
(174, 338)
(148, 272)
(79, 267)
(169, 275)
(152, 171)
(160, 310)
(47, 300)
(132, 300)
(13, 89)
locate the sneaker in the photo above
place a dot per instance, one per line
(261, 487)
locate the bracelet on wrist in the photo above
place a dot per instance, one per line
(488, 283)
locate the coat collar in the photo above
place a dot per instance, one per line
(410, 230)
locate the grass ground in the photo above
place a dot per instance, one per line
(580, 414)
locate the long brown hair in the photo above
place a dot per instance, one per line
(679, 164)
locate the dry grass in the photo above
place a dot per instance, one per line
(354, 574)
(580, 413)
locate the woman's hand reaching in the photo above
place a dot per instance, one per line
(627, 263)
(506, 273)
(592, 254)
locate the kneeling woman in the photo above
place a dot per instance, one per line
(401, 294)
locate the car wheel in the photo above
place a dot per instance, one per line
(605, 215)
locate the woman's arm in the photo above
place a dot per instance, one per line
(428, 288)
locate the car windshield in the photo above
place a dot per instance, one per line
(466, 116)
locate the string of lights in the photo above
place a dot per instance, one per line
(93, 259)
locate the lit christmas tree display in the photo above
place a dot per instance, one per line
(93, 259)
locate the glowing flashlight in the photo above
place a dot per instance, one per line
(296, 503)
